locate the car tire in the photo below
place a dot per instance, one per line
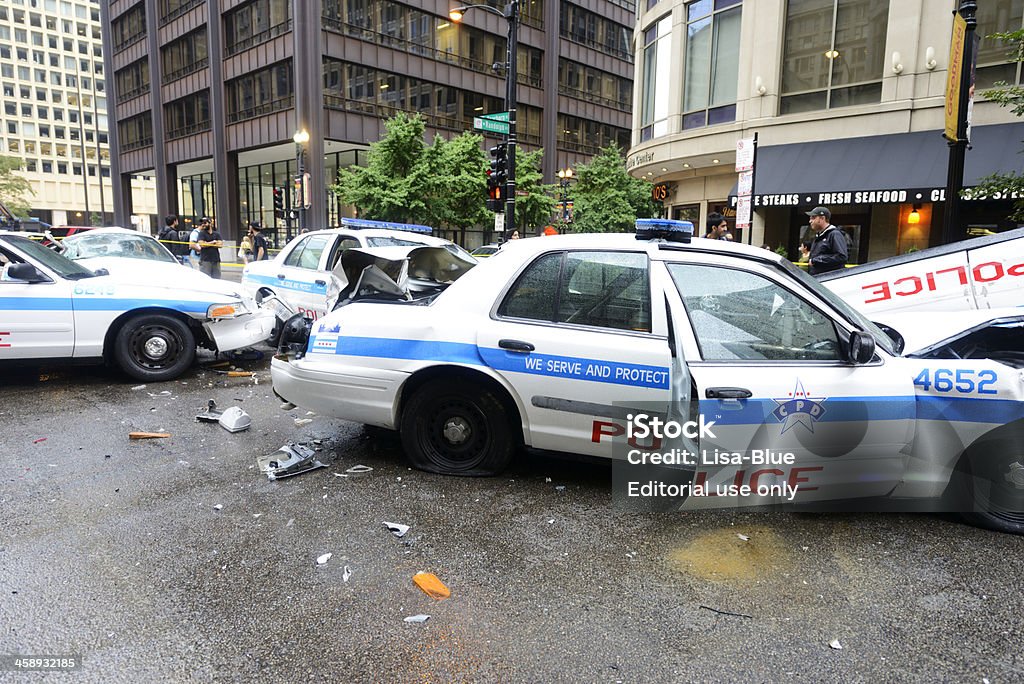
(154, 347)
(991, 487)
(457, 428)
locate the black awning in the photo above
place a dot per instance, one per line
(908, 167)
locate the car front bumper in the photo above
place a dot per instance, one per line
(244, 331)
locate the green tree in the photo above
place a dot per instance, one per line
(387, 189)
(1012, 183)
(606, 199)
(535, 208)
(14, 189)
(452, 175)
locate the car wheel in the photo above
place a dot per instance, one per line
(154, 347)
(992, 486)
(457, 428)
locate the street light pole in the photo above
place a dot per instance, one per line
(951, 229)
(511, 14)
(564, 176)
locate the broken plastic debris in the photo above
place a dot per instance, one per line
(139, 387)
(359, 469)
(235, 419)
(324, 558)
(211, 414)
(396, 529)
(148, 435)
(217, 507)
(560, 488)
(287, 406)
(836, 645)
(37, 441)
(289, 460)
(346, 574)
(431, 585)
(165, 393)
(299, 422)
(743, 537)
(417, 618)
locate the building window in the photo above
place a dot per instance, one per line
(171, 9)
(133, 80)
(712, 62)
(188, 115)
(589, 28)
(134, 133)
(587, 136)
(127, 28)
(255, 23)
(184, 56)
(587, 83)
(260, 92)
(994, 61)
(833, 54)
(657, 63)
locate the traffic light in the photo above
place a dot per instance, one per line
(279, 202)
(499, 165)
(494, 192)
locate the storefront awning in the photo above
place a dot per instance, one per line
(909, 167)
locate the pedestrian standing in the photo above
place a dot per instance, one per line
(245, 248)
(718, 227)
(209, 244)
(260, 248)
(192, 257)
(168, 236)
(829, 249)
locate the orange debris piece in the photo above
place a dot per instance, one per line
(431, 585)
(148, 435)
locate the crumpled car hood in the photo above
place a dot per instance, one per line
(399, 272)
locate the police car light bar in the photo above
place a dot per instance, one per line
(664, 229)
(366, 223)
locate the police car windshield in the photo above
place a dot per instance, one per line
(57, 263)
(840, 305)
(116, 245)
(390, 242)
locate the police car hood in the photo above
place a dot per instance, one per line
(150, 273)
(397, 271)
(926, 329)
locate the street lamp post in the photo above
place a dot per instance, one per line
(301, 137)
(564, 177)
(511, 14)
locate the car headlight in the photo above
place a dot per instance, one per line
(231, 310)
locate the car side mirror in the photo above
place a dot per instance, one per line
(862, 347)
(23, 272)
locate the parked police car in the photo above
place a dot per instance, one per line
(55, 308)
(303, 276)
(980, 273)
(555, 342)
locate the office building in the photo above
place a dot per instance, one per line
(208, 94)
(847, 98)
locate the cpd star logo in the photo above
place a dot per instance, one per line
(799, 408)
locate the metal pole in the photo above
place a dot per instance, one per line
(512, 14)
(300, 155)
(951, 228)
(81, 141)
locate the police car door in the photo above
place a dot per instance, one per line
(36, 318)
(771, 370)
(301, 278)
(578, 339)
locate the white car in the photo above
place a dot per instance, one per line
(560, 343)
(121, 251)
(52, 308)
(304, 274)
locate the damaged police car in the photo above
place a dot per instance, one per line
(52, 308)
(557, 343)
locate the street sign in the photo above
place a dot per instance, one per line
(490, 125)
(744, 154)
(499, 223)
(500, 116)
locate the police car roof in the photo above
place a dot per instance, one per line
(627, 241)
(420, 238)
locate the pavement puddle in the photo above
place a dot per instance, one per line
(722, 555)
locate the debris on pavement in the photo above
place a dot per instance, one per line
(218, 507)
(396, 529)
(743, 537)
(37, 441)
(299, 422)
(359, 469)
(247, 354)
(836, 645)
(148, 435)
(291, 459)
(725, 612)
(235, 419)
(210, 414)
(431, 585)
(417, 618)
(324, 558)
(287, 406)
(139, 387)
(346, 574)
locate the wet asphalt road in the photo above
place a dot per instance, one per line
(113, 550)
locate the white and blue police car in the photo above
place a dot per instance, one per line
(304, 275)
(559, 343)
(52, 308)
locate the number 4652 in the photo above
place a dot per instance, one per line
(961, 380)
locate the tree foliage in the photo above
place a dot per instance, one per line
(15, 190)
(1007, 184)
(536, 207)
(606, 199)
(452, 174)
